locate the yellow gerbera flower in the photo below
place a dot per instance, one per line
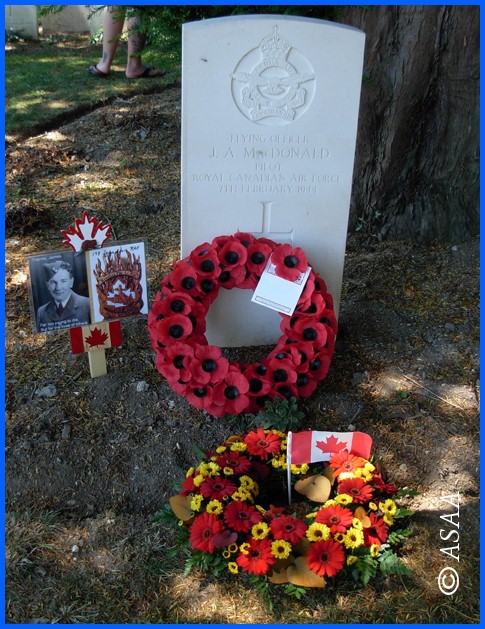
(353, 538)
(345, 476)
(238, 446)
(388, 507)
(300, 469)
(339, 537)
(228, 471)
(389, 520)
(215, 507)
(190, 472)
(246, 481)
(260, 530)
(196, 502)
(213, 469)
(311, 515)
(357, 524)
(221, 449)
(374, 550)
(373, 506)
(351, 559)
(261, 509)
(363, 474)
(280, 549)
(244, 548)
(233, 567)
(329, 503)
(317, 532)
(369, 467)
(343, 499)
(198, 480)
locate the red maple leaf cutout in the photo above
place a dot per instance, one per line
(331, 445)
(96, 338)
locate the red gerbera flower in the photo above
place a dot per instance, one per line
(289, 262)
(232, 254)
(273, 512)
(380, 485)
(217, 488)
(343, 461)
(261, 444)
(259, 557)
(239, 463)
(203, 530)
(377, 532)
(360, 491)
(188, 486)
(326, 557)
(288, 528)
(230, 394)
(208, 365)
(337, 518)
(240, 516)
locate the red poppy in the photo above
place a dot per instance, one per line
(289, 262)
(176, 361)
(232, 254)
(308, 290)
(184, 278)
(305, 385)
(326, 557)
(381, 486)
(205, 261)
(203, 530)
(310, 330)
(217, 488)
(258, 382)
(360, 491)
(174, 329)
(261, 444)
(240, 516)
(231, 277)
(343, 461)
(172, 302)
(289, 351)
(237, 462)
(315, 306)
(245, 238)
(288, 528)
(231, 392)
(377, 532)
(281, 371)
(337, 518)
(197, 316)
(199, 395)
(319, 365)
(259, 557)
(208, 365)
(258, 256)
(286, 391)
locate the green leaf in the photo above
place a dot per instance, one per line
(396, 537)
(406, 491)
(366, 567)
(280, 414)
(390, 563)
(403, 513)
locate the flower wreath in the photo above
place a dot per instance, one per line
(231, 523)
(197, 370)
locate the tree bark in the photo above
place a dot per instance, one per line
(417, 159)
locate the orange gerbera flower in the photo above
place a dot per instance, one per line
(326, 558)
(343, 461)
(261, 444)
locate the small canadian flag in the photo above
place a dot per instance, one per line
(312, 446)
(91, 338)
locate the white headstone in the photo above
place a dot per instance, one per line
(269, 121)
(22, 19)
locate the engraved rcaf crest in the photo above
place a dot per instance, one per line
(273, 84)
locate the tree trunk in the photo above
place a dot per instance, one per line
(417, 160)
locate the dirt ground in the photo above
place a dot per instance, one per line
(405, 370)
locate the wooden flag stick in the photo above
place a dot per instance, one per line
(288, 464)
(97, 363)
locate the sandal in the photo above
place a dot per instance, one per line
(98, 73)
(146, 74)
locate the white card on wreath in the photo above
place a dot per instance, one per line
(277, 293)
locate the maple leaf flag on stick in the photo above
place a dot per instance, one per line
(95, 337)
(312, 446)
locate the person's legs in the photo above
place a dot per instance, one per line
(136, 43)
(114, 19)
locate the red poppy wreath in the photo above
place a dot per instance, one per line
(199, 371)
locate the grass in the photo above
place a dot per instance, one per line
(47, 81)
